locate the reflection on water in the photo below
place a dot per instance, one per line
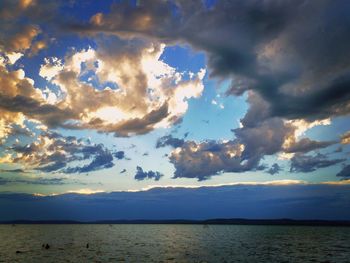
(173, 243)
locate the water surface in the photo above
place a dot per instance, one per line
(173, 243)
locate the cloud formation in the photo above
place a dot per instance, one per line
(142, 175)
(274, 169)
(33, 181)
(290, 58)
(138, 92)
(345, 138)
(274, 48)
(306, 145)
(306, 164)
(52, 152)
(203, 160)
(169, 140)
(267, 48)
(345, 172)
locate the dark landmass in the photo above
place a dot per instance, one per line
(219, 221)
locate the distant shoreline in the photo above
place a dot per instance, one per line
(234, 221)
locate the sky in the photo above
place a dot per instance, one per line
(124, 96)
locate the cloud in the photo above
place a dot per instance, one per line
(20, 30)
(103, 159)
(266, 46)
(142, 175)
(345, 172)
(169, 140)
(34, 181)
(306, 145)
(17, 130)
(150, 94)
(280, 136)
(263, 48)
(12, 171)
(203, 160)
(345, 138)
(20, 100)
(305, 164)
(119, 155)
(147, 93)
(273, 130)
(267, 49)
(244, 153)
(274, 169)
(52, 152)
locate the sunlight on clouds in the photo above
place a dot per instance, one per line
(50, 68)
(273, 182)
(109, 114)
(6, 159)
(345, 138)
(146, 87)
(303, 125)
(85, 191)
(14, 56)
(25, 3)
(97, 19)
(299, 126)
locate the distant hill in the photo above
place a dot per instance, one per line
(303, 202)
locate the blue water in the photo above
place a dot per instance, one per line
(173, 243)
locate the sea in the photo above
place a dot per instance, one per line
(173, 243)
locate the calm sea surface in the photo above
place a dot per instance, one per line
(173, 243)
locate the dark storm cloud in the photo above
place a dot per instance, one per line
(345, 172)
(273, 131)
(274, 169)
(142, 175)
(294, 53)
(306, 164)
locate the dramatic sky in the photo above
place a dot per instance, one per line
(102, 96)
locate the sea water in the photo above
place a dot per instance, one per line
(173, 243)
